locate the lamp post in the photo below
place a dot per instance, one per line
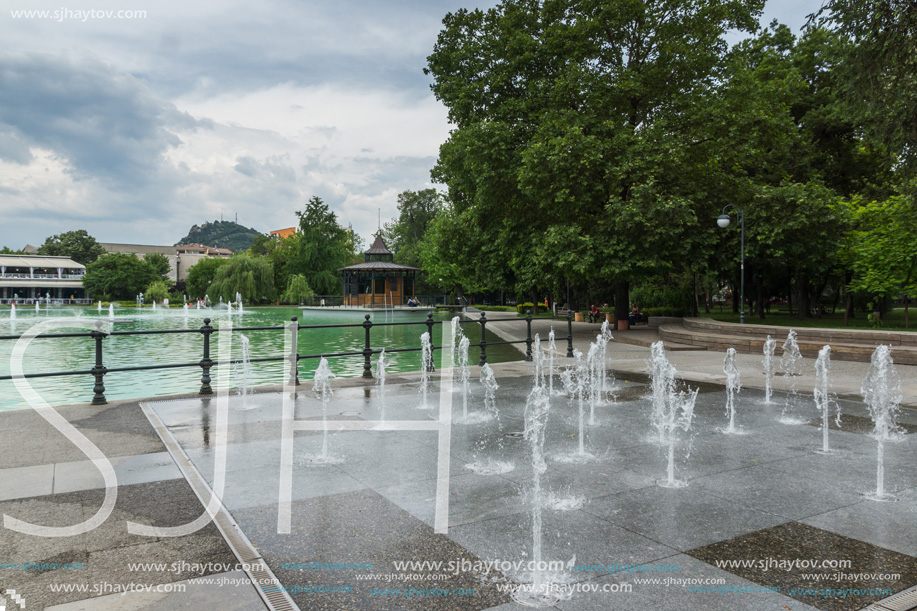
(723, 221)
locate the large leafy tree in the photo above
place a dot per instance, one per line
(119, 276)
(201, 274)
(416, 210)
(881, 60)
(78, 245)
(575, 124)
(884, 257)
(319, 249)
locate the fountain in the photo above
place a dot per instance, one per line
(462, 362)
(538, 358)
(663, 387)
(99, 307)
(673, 410)
(36, 305)
(882, 392)
(489, 382)
(244, 369)
(238, 303)
(13, 311)
(321, 387)
(593, 378)
(111, 311)
(552, 348)
(380, 383)
(790, 362)
(769, 347)
(823, 396)
(575, 381)
(426, 367)
(536, 417)
(733, 386)
(154, 305)
(186, 310)
(603, 350)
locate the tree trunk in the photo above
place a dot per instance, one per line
(622, 296)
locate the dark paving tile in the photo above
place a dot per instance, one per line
(799, 543)
(362, 527)
(107, 550)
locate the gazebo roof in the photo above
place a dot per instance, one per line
(387, 266)
(378, 247)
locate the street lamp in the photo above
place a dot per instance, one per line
(723, 221)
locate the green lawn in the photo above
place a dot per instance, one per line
(894, 320)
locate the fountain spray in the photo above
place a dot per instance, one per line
(769, 347)
(426, 366)
(823, 395)
(733, 386)
(790, 362)
(882, 392)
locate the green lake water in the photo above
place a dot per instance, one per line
(78, 353)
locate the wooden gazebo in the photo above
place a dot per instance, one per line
(378, 281)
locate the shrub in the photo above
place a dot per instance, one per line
(522, 307)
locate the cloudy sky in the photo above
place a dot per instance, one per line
(137, 128)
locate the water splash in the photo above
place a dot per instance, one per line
(99, 307)
(321, 387)
(663, 387)
(244, 369)
(380, 384)
(790, 363)
(733, 386)
(606, 337)
(539, 361)
(552, 348)
(489, 382)
(881, 391)
(564, 501)
(536, 417)
(491, 467)
(593, 378)
(238, 303)
(575, 381)
(426, 367)
(111, 311)
(462, 362)
(823, 396)
(673, 410)
(13, 310)
(770, 346)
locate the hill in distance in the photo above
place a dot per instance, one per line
(221, 234)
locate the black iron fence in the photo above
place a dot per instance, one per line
(99, 370)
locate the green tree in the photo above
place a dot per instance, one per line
(880, 57)
(571, 140)
(78, 245)
(201, 274)
(156, 291)
(117, 276)
(6, 250)
(416, 210)
(250, 276)
(319, 249)
(297, 290)
(158, 264)
(884, 257)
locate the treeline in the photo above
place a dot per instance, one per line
(596, 143)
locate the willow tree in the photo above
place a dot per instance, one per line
(250, 276)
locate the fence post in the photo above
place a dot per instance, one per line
(294, 352)
(483, 343)
(206, 363)
(569, 333)
(430, 324)
(528, 335)
(367, 349)
(98, 371)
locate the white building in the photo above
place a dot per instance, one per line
(25, 278)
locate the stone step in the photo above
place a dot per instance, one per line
(749, 344)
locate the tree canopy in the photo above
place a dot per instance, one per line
(78, 245)
(119, 276)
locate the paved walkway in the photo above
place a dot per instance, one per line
(628, 353)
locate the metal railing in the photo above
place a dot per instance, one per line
(99, 370)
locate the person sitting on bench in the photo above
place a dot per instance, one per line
(635, 316)
(594, 314)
